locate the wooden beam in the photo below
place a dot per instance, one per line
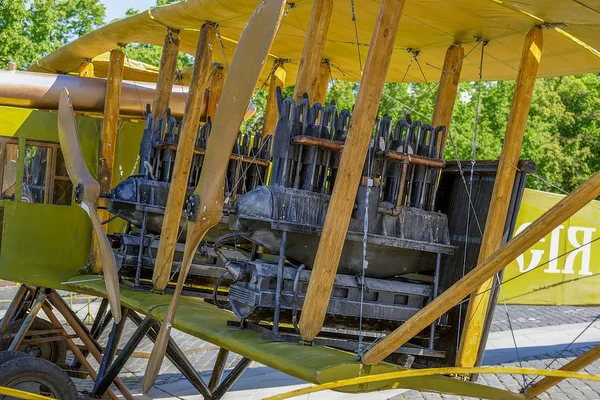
(501, 195)
(166, 74)
(75, 349)
(271, 111)
(350, 170)
(541, 227)
(446, 95)
(86, 69)
(217, 80)
(320, 93)
(314, 43)
(108, 139)
(577, 364)
(183, 158)
(76, 325)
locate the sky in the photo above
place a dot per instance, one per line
(117, 8)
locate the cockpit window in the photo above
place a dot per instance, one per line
(45, 179)
(9, 155)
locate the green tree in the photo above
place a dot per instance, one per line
(31, 29)
(151, 54)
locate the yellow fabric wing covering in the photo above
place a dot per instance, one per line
(428, 26)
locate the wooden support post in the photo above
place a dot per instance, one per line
(446, 95)
(75, 324)
(108, 139)
(501, 195)
(314, 43)
(166, 74)
(183, 159)
(320, 93)
(271, 111)
(86, 69)
(217, 80)
(75, 349)
(350, 170)
(562, 211)
(577, 364)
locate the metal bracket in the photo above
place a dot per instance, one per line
(79, 193)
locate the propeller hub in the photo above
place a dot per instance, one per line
(192, 206)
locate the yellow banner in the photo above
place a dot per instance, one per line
(561, 269)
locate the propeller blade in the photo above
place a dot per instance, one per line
(244, 72)
(87, 195)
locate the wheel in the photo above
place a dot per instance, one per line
(38, 376)
(11, 355)
(55, 351)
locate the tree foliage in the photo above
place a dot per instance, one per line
(31, 29)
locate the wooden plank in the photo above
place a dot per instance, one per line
(350, 170)
(183, 158)
(577, 364)
(271, 111)
(320, 93)
(108, 140)
(166, 74)
(503, 188)
(314, 43)
(446, 95)
(217, 80)
(541, 227)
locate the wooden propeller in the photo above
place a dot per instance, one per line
(244, 72)
(86, 195)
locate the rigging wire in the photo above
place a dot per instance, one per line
(353, 13)
(470, 188)
(218, 29)
(565, 349)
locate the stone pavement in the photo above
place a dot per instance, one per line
(541, 333)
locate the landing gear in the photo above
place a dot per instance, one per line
(38, 344)
(35, 375)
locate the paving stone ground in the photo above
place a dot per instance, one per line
(202, 355)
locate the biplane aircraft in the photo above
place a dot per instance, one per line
(330, 245)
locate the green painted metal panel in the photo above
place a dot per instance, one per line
(45, 244)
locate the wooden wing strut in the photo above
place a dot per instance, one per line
(351, 166)
(244, 72)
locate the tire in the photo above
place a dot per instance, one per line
(25, 373)
(55, 352)
(11, 355)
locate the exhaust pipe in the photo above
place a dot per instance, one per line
(42, 91)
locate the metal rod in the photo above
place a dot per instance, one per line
(219, 368)
(230, 379)
(279, 287)
(436, 284)
(112, 343)
(102, 384)
(138, 270)
(15, 304)
(33, 312)
(177, 357)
